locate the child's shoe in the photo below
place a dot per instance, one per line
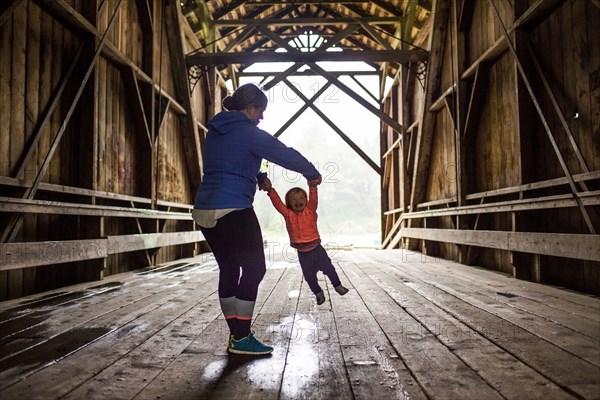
(320, 298)
(249, 345)
(341, 290)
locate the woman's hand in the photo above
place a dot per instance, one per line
(266, 185)
(315, 182)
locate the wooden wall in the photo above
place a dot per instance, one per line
(125, 166)
(489, 167)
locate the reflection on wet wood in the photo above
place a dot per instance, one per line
(410, 328)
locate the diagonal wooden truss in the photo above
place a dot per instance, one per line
(310, 59)
(149, 105)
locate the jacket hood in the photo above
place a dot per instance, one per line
(227, 121)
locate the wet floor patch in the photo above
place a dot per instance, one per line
(30, 309)
(178, 268)
(155, 269)
(23, 364)
(16, 325)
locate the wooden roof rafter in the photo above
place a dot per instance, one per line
(323, 46)
(228, 8)
(315, 56)
(384, 24)
(307, 21)
(369, 37)
(246, 43)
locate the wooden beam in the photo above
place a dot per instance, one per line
(359, 83)
(333, 78)
(308, 72)
(466, 15)
(514, 190)
(400, 56)
(132, 90)
(559, 112)
(426, 118)
(189, 129)
(344, 137)
(307, 21)
(53, 188)
(474, 108)
(315, 2)
(384, 66)
(457, 110)
(538, 108)
(389, 239)
(67, 15)
(383, 116)
(127, 243)
(140, 229)
(14, 205)
(576, 246)
(535, 185)
(538, 10)
(47, 113)
(323, 47)
(440, 102)
(408, 22)
(376, 36)
(304, 107)
(255, 13)
(162, 107)
(541, 203)
(227, 9)
(13, 228)
(387, 6)
(244, 34)
(145, 16)
(33, 254)
(6, 9)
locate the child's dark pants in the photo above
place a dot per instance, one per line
(314, 261)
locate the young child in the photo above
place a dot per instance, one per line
(300, 214)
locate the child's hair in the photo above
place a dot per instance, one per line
(290, 193)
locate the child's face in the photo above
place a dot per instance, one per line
(298, 202)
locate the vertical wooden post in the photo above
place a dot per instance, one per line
(383, 145)
(89, 227)
(460, 171)
(525, 265)
(424, 142)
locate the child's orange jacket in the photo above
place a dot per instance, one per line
(302, 227)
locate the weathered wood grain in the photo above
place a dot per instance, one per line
(473, 349)
(410, 327)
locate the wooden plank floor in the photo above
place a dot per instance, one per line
(410, 328)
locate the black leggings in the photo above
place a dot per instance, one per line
(236, 241)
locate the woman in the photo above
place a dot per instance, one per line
(234, 150)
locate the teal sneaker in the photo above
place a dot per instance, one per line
(249, 345)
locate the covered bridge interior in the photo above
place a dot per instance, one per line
(487, 279)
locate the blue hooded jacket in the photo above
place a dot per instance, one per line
(234, 150)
